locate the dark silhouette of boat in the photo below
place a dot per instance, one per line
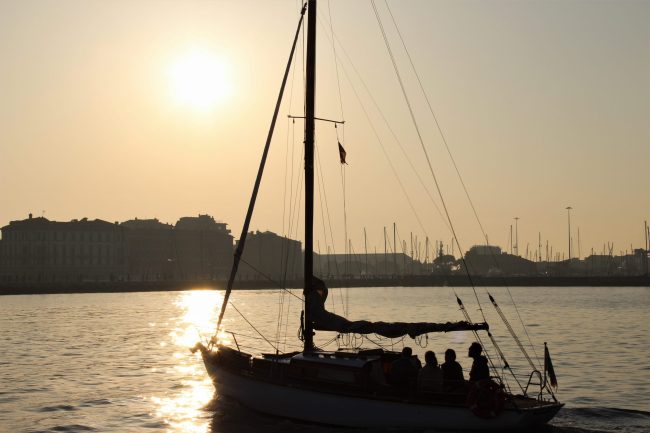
(352, 387)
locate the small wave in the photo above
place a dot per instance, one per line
(98, 402)
(638, 412)
(64, 407)
(601, 419)
(73, 428)
(567, 429)
(155, 425)
(28, 390)
(608, 412)
(8, 399)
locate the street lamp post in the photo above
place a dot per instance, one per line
(568, 212)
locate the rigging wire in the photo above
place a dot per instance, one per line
(327, 209)
(249, 213)
(271, 280)
(321, 188)
(506, 364)
(419, 134)
(512, 332)
(385, 152)
(336, 66)
(253, 337)
(251, 325)
(492, 340)
(426, 153)
(321, 185)
(345, 221)
(346, 303)
(435, 118)
(287, 253)
(453, 160)
(335, 39)
(292, 212)
(285, 245)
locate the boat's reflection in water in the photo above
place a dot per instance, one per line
(183, 410)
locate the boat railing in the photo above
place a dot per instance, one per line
(235, 339)
(540, 382)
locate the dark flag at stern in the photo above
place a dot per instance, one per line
(548, 367)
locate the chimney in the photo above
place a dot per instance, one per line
(30, 216)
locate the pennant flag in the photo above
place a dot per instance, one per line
(342, 154)
(548, 367)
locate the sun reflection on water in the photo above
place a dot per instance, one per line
(183, 411)
(199, 318)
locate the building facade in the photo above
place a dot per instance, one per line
(150, 254)
(203, 249)
(37, 250)
(270, 256)
(489, 260)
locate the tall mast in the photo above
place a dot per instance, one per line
(310, 97)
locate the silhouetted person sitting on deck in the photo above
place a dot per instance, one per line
(403, 371)
(480, 369)
(452, 373)
(430, 376)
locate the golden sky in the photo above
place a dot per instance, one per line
(159, 109)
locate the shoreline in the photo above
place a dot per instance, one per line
(410, 281)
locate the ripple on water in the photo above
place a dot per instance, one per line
(29, 390)
(602, 419)
(98, 402)
(611, 413)
(74, 428)
(60, 407)
(7, 399)
(155, 425)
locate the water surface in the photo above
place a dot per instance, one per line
(120, 362)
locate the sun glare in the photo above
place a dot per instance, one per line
(200, 80)
(199, 319)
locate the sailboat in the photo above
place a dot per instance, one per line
(351, 387)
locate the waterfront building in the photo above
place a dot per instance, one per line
(485, 250)
(489, 260)
(270, 256)
(150, 254)
(202, 249)
(37, 250)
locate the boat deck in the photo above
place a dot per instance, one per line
(354, 373)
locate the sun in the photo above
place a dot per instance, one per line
(200, 80)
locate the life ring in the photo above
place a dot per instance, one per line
(486, 399)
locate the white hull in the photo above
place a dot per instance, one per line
(341, 410)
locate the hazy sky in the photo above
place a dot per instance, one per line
(159, 109)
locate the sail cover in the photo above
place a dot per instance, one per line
(323, 320)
